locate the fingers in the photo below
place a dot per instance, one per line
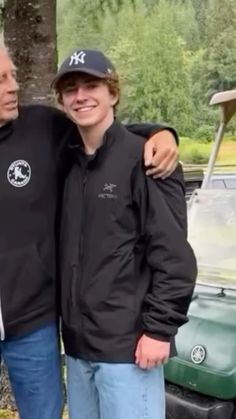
(145, 363)
(163, 164)
(151, 352)
(137, 354)
(148, 153)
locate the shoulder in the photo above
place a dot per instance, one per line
(43, 112)
(174, 182)
(173, 190)
(133, 144)
(46, 123)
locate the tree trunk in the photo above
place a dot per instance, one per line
(30, 35)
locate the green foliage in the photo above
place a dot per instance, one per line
(145, 55)
(204, 133)
(172, 55)
(194, 152)
(220, 51)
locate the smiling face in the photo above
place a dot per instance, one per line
(87, 100)
(8, 89)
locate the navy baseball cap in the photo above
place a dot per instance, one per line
(86, 61)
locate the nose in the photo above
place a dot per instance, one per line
(81, 94)
(12, 85)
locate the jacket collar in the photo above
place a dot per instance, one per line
(6, 130)
(76, 146)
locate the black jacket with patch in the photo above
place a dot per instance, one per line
(126, 266)
(32, 167)
(31, 150)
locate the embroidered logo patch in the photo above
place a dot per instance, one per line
(108, 191)
(76, 58)
(19, 173)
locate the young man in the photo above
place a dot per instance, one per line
(32, 167)
(127, 270)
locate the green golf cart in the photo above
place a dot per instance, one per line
(201, 379)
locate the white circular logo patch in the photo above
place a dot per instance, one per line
(198, 354)
(19, 173)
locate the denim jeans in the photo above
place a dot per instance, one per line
(33, 363)
(114, 391)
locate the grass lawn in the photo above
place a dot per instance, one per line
(194, 151)
(5, 414)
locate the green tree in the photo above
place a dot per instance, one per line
(149, 56)
(220, 51)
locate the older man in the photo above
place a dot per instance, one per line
(32, 168)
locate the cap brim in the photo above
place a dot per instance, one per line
(95, 73)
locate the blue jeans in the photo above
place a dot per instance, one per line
(114, 391)
(33, 363)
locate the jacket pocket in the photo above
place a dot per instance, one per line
(26, 287)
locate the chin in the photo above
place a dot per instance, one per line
(84, 123)
(11, 116)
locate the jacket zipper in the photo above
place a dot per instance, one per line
(81, 239)
(2, 331)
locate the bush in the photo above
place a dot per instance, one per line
(194, 152)
(198, 157)
(205, 133)
(229, 138)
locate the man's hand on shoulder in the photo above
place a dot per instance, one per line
(151, 352)
(161, 154)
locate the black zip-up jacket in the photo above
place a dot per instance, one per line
(126, 266)
(32, 167)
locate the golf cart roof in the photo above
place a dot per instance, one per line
(227, 101)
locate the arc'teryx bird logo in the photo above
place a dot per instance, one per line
(109, 187)
(77, 57)
(108, 190)
(19, 173)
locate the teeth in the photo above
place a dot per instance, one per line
(87, 108)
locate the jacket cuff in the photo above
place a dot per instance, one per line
(157, 336)
(163, 128)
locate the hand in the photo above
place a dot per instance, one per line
(161, 154)
(151, 352)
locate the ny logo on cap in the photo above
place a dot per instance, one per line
(77, 57)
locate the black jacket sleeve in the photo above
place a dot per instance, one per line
(64, 132)
(147, 130)
(173, 191)
(168, 254)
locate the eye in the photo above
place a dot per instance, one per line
(2, 78)
(92, 85)
(14, 74)
(69, 89)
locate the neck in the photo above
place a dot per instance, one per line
(93, 136)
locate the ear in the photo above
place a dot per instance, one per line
(114, 99)
(59, 98)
